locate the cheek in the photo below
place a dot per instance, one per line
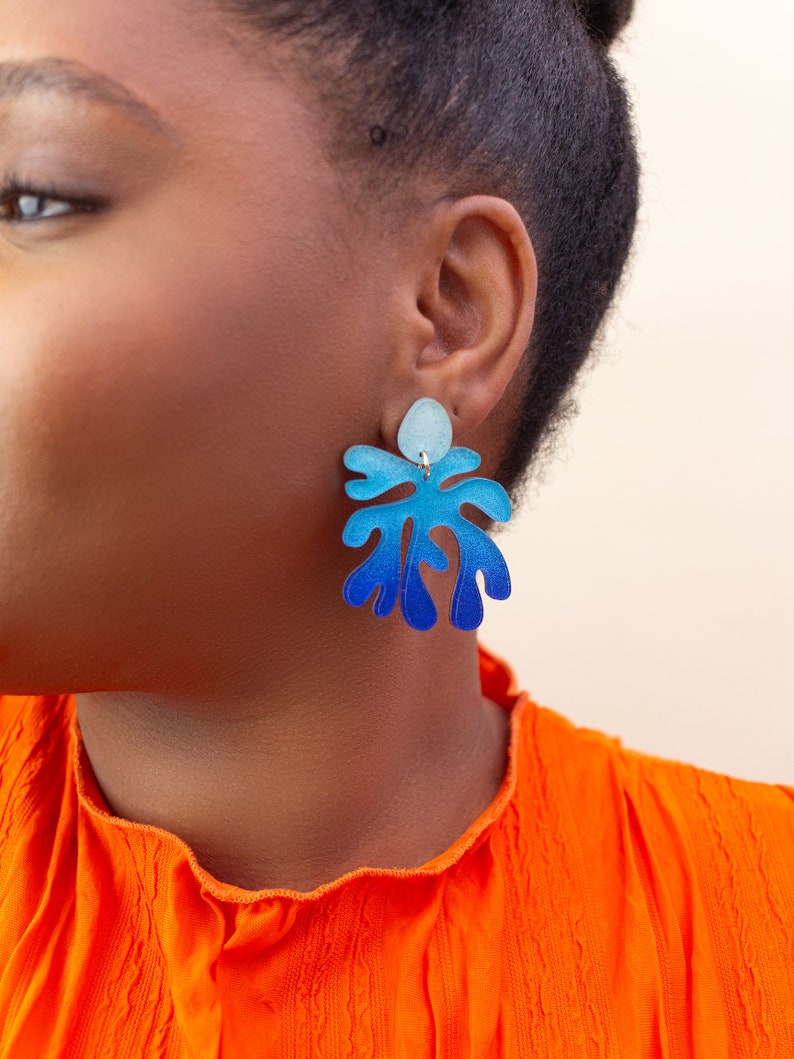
(180, 360)
(184, 400)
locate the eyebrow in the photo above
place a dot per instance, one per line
(73, 78)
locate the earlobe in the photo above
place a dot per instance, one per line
(477, 290)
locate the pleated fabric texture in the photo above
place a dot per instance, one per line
(607, 904)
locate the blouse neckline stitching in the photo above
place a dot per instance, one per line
(238, 895)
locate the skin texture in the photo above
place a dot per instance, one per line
(180, 373)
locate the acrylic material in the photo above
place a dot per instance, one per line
(425, 428)
(429, 506)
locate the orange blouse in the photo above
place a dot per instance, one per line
(607, 904)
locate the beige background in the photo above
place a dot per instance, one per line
(654, 567)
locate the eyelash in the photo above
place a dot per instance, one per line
(14, 186)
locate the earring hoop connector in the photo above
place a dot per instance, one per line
(424, 465)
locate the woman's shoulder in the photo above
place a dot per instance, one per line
(664, 797)
(700, 863)
(569, 774)
(674, 882)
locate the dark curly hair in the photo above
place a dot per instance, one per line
(516, 98)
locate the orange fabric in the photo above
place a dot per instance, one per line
(607, 904)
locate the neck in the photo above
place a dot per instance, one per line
(372, 747)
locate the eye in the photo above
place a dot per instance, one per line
(21, 201)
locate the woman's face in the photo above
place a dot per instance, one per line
(181, 364)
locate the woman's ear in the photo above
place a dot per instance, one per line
(473, 285)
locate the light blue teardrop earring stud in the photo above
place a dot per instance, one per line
(424, 439)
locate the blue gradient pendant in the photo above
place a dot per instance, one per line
(424, 439)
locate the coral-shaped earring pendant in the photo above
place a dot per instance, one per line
(424, 439)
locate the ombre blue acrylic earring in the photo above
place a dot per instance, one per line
(424, 439)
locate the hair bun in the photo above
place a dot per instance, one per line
(604, 19)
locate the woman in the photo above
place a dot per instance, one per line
(241, 817)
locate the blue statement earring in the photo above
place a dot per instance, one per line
(424, 439)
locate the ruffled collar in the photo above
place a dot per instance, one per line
(498, 684)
